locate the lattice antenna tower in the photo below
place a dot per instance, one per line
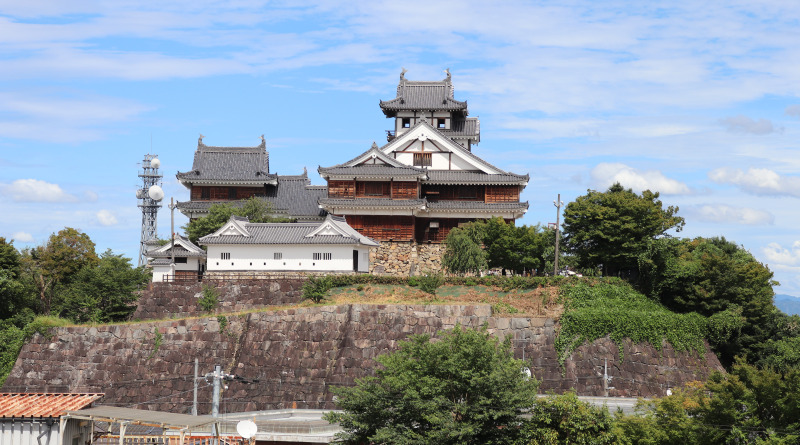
(149, 196)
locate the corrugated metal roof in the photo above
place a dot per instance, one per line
(43, 405)
(142, 417)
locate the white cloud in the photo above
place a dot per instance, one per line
(744, 124)
(106, 218)
(775, 253)
(35, 190)
(721, 213)
(90, 196)
(605, 174)
(793, 110)
(759, 181)
(22, 237)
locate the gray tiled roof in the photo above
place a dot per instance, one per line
(159, 261)
(292, 196)
(183, 249)
(417, 95)
(292, 233)
(473, 177)
(373, 202)
(477, 205)
(469, 127)
(228, 164)
(374, 170)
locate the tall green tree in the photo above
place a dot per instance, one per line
(103, 293)
(610, 229)
(255, 209)
(466, 388)
(14, 294)
(57, 262)
(565, 419)
(464, 252)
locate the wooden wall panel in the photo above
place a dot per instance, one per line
(502, 193)
(383, 227)
(453, 192)
(404, 190)
(372, 189)
(340, 189)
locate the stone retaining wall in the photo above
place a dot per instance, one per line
(177, 300)
(405, 259)
(299, 354)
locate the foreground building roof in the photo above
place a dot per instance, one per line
(16, 405)
(333, 230)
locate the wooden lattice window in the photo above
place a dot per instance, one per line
(423, 159)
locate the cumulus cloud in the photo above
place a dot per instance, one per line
(605, 174)
(744, 124)
(775, 253)
(22, 237)
(35, 190)
(736, 215)
(759, 181)
(793, 110)
(106, 218)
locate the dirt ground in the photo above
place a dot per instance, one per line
(540, 302)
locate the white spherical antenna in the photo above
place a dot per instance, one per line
(155, 193)
(246, 429)
(155, 163)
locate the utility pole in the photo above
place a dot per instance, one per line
(558, 203)
(196, 371)
(172, 235)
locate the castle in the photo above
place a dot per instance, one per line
(408, 194)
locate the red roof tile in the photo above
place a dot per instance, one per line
(43, 405)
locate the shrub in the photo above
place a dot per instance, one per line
(430, 282)
(210, 299)
(315, 288)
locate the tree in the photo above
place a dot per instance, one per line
(710, 276)
(465, 388)
(14, 295)
(102, 293)
(463, 253)
(57, 262)
(565, 419)
(255, 209)
(610, 229)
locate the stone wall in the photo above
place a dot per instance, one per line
(297, 355)
(178, 300)
(405, 259)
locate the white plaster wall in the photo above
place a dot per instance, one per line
(191, 264)
(439, 160)
(295, 258)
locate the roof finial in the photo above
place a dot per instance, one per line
(263, 141)
(200, 139)
(305, 171)
(447, 70)
(403, 73)
(262, 138)
(374, 145)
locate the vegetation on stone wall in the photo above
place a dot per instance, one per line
(209, 300)
(593, 311)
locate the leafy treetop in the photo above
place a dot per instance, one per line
(610, 229)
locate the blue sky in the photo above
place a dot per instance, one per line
(698, 101)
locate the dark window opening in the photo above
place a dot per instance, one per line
(373, 188)
(468, 192)
(406, 122)
(231, 192)
(441, 123)
(181, 260)
(423, 159)
(205, 193)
